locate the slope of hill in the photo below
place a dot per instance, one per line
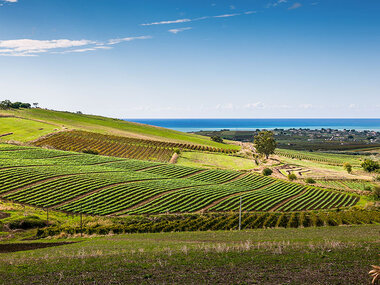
(100, 185)
(65, 120)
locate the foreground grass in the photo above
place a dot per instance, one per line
(211, 160)
(328, 255)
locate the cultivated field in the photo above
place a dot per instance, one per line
(100, 185)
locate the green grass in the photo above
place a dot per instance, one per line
(327, 255)
(23, 130)
(111, 126)
(211, 160)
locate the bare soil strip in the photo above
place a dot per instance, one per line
(286, 201)
(13, 247)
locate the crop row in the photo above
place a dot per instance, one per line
(186, 200)
(122, 197)
(222, 221)
(53, 192)
(327, 158)
(261, 200)
(118, 146)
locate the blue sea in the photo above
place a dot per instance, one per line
(192, 125)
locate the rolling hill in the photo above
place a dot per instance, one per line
(30, 124)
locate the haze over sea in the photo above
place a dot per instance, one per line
(192, 125)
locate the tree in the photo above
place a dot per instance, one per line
(267, 171)
(217, 139)
(292, 176)
(347, 167)
(35, 105)
(265, 143)
(370, 165)
(6, 104)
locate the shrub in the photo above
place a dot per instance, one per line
(292, 176)
(177, 151)
(217, 139)
(376, 192)
(310, 180)
(90, 151)
(267, 171)
(377, 178)
(29, 222)
(347, 167)
(370, 165)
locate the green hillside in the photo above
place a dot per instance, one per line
(48, 120)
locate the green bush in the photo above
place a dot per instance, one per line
(376, 192)
(267, 171)
(292, 176)
(29, 222)
(310, 180)
(370, 165)
(90, 151)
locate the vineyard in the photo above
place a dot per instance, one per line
(100, 185)
(325, 158)
(126, 147)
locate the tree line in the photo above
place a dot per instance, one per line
(7, 104)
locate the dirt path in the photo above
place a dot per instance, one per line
(13, 247)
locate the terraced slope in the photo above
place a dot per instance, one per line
(74, 182)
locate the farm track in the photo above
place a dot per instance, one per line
(273, 209)
(216, 202)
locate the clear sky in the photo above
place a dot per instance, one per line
(193, 58)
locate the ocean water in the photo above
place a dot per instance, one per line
(191, 125)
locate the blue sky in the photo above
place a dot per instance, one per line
(193, 59)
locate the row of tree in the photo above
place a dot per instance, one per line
(7, 104)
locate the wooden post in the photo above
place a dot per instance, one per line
(240, 215)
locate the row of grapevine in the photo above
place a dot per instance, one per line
(222, 221)
(121, 197)
(119, 146)
(327, 158)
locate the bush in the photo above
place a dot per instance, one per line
(347, 167)
(267, 171)
(376, 192)
(377, 178)
(177, 151)
(90, 151)
(217, 139)
(310, 180)
(29, 222)
(370, 165)
(292, 177)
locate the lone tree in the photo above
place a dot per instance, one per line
(217, 139)
(265, 143)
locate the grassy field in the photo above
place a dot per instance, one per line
(201, 159)
(23, 130)
(112, 126)
(327, 255)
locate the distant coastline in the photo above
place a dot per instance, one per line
(193, 125)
